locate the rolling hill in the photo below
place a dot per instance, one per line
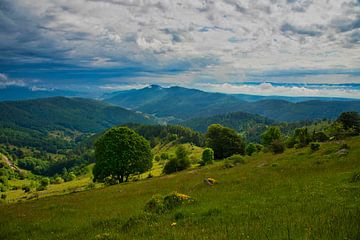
(36, 122)
(295, 195)
(184, 104)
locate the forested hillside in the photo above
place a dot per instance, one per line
(45, 122)
(184, 104)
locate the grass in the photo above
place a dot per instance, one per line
(295, 195)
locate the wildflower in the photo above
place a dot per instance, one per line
(182, 196)
(211, 180)
(173, 224)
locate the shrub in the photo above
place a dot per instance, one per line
(250, 149)
(44, 182)
(236, 159)
(164, 156)
(207, 156)
(157, 158)
(3, 188)
(155, 204)
(90, 186)
(320, 136)
(57, 180)
(277, 146)
(3, 196)
(314, 146)
(160, 204)
(227, 164)
(179, 163)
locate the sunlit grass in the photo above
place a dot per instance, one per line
(295, 195)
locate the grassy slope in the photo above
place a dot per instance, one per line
(295, 195)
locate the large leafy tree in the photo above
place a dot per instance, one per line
(224, 141)
(119, 153)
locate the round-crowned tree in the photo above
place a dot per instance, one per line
(119, 153)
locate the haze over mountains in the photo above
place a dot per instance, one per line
(183, 104)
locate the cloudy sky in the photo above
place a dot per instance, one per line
(266, 47)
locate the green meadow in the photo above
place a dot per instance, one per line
(299, 194)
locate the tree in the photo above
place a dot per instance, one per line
(350, 120)
(119, 153)
(271, 134)
(179, 163)
(224, 141)
(207, 156)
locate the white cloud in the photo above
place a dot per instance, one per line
(268, 89)
(241, 36)
(5, 81)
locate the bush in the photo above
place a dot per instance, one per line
(159, 204)
(277, 146)
(250, 149)
(236, 159)
(90, 186)
(69, 177)
(207, 156)
(320, 137)
(44, 182)
(157, 158)
(155, 204)
(3, 196)
(314, 146)
(57, 180)
(179, 163)
(164, 156)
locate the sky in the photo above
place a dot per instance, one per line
(263, 47)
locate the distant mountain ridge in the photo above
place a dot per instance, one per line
(85, 115)
(184, 104)
(13, 93)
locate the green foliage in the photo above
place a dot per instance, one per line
(179, 162)
(34, 165)
(320, 136)
(224, 141)
(161, 204)
(119, 153)
(314, 146)
(251, 125)
(250, 149)
(43, 184)
(157, 158)
(269, 197)
(350, 121)
(277, 146)
(236, 159)
(271, 134)
(302, 137)
(164, 156)
(207, 156)
(167, 133)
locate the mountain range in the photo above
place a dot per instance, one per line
(181, 104)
